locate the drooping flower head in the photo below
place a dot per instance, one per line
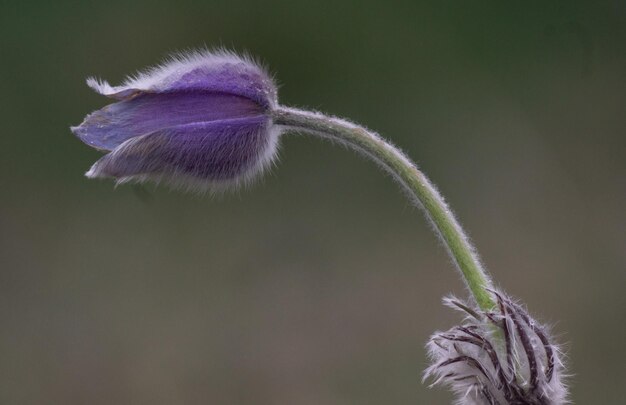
(199, 121)
(499, 357)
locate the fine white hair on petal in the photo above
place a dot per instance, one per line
(157, 78)
(100, 86)
(117, 92)
(180, 180)
(182, 62)
(187, 183)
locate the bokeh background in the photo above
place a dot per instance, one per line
(320, 284)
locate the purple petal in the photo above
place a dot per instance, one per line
(219, 71)
(112, 125)
(232, 78)
(189, 154)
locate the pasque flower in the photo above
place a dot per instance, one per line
(212, 119)
(198, 121)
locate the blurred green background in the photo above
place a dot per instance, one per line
(321, 284)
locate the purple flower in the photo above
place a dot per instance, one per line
(498, 357)
(199, 121)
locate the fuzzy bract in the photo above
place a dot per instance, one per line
(199, 121)
(499, 357)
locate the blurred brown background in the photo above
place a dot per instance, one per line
(321, 284)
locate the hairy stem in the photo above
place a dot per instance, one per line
(411, 178)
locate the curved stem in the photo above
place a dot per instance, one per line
(409, 176)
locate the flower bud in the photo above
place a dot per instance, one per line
(497, 357)
(199, 121)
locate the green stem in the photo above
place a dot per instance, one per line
(407, 174)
